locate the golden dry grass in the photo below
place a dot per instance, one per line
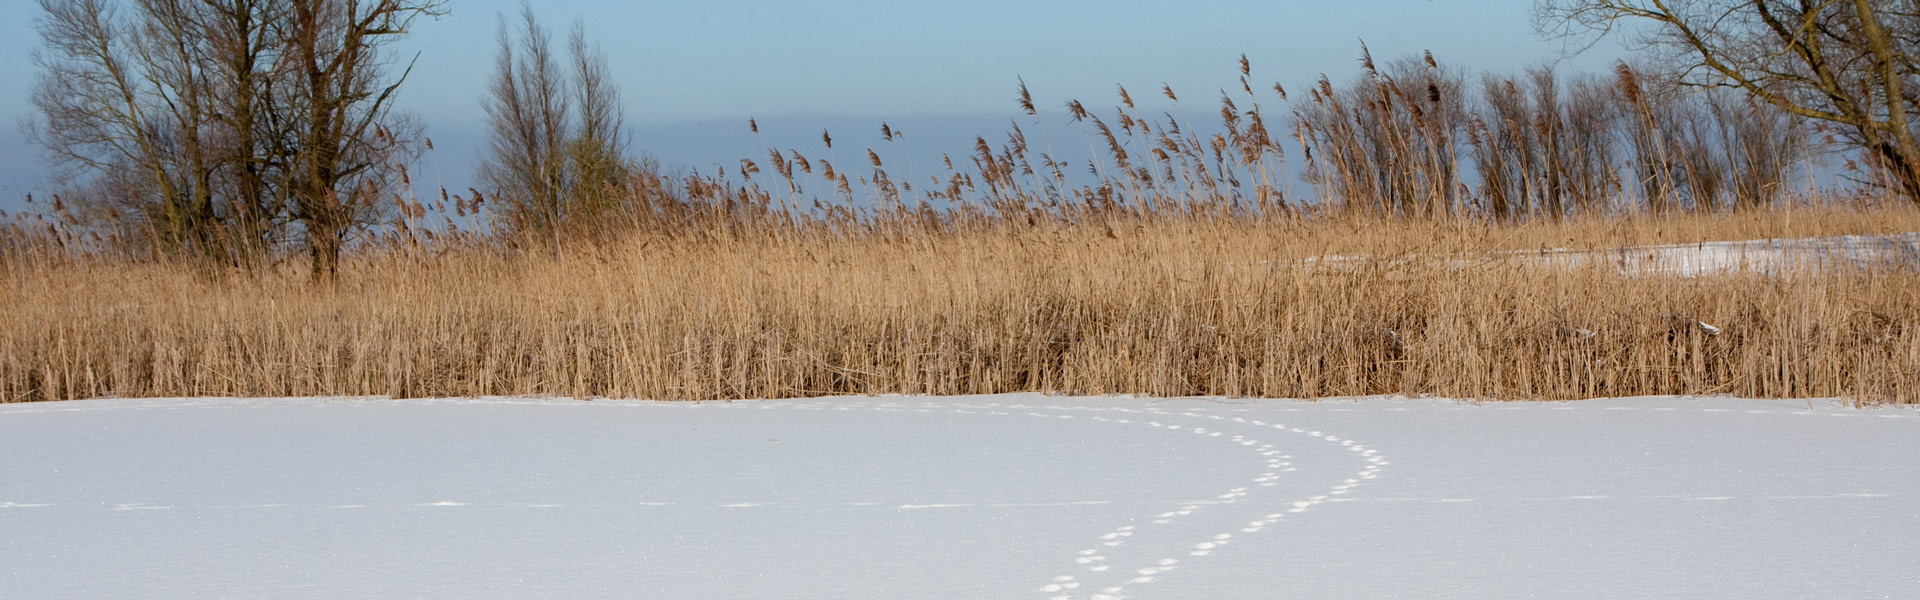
(1166, 307)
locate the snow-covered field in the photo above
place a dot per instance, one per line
(976, 497)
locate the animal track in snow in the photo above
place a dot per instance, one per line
(1097, 563)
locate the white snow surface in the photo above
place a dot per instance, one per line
(1019, 496)
(1768, 256)
(1771, 257)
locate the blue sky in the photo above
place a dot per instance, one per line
(692, 72)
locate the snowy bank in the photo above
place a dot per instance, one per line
(1767, 257)
(1020, 496)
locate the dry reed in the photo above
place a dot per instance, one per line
(1167, 307)
(1184, 265)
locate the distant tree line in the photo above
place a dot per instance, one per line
(1414, 138)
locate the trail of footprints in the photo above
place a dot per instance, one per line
(1094, 563)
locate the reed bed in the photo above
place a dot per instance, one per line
(1172, 262)
(1164, 307)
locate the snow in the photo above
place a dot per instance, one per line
(1767, 256)
(1021, 496)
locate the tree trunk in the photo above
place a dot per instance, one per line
(1901, 153)
(1903, 168)
(324, 247)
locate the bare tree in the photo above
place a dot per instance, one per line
(1587, 155)
(1849, 62)
(341, 133)
(558, 155)
(145, 102)
(226, 128)
(1761, 144)
(599, 147)
(241, 67)
(527, 110)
